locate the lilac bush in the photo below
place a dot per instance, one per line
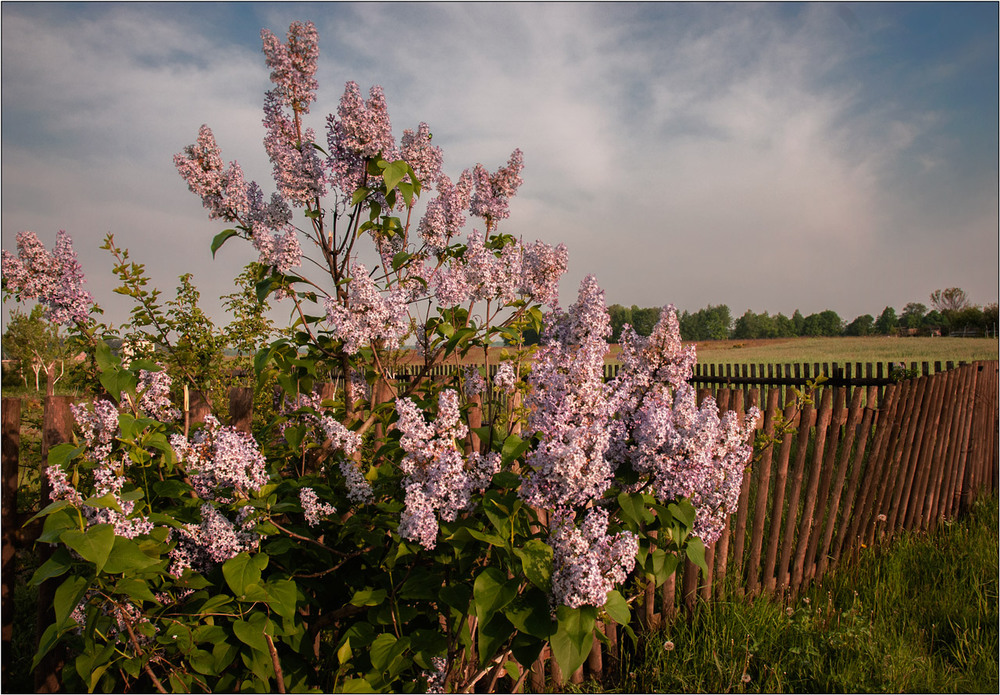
(383, 529)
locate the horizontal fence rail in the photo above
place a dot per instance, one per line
(871, 452)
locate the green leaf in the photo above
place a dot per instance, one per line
(282, 594)
(399, 259)
(55, 566)
(617, 609)
(696, 553)
(634, 509)
(67, 597)
(513, 447)
(368, 597)
(60, 455)
(93, 545)
(221, 238)
(203, 662)
(492, 591)
(359, 195)
(529, 613)
(241, 572)
(394, 173)
(683, 511)
(135, 588)
(536, 562)
(344, 653)
(492, 636)
(250, 635)
(106, 501)
(574, 637)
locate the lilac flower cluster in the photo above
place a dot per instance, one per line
(155, 398)
(436, 678)
(360, 131)
(298, 170)
(439, 482)
(506, 378)
(587, 562)
(312, 507)
(516, 270)
(688, 451)
(369, 316)
(99, 427)
(53, 279)
(213, 541)
(221, 458)
(423, 157)
(473, 381)
(359, 490)
(570, 408)
(491, 200)
(293, 67)
(445, 214)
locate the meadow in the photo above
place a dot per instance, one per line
(917, 615)
(848, 349)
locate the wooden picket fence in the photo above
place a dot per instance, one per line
(862, 458)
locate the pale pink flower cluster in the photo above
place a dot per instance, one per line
(506, 378)
(298, 171)
(423, 157)
(99, 427)
(293, 67)
(587, 562)
(687, 451)
(484, 273)
(312, 507)
(53, 279)
(155, 398)
(369, 316)
(445, 214)
(473, 381)
(439, 481)
(437, 677)
(359, 490)
(221, 459)
(360, 131)
(569, 407)
(491, 200)
(213, 541)
(220, 189)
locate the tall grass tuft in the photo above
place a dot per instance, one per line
(920, 615)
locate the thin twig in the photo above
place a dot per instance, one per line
(277, 666)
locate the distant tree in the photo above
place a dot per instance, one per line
(951, 299)
(825, 323)
(644, 320)
(783, 326)
(862, 325)
(990, 319)
(619, 315)
(913, 315)
(934, 320)
(798, 323)
(710, 323)
(35, 343)
(752, 326)
(886, 322)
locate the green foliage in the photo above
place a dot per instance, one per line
(710, 323)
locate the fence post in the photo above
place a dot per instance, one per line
(241, 408)
(57, 428)
(10, 448)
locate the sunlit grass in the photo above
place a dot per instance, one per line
(848, 349)
(918, 616)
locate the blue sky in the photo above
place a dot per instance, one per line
(769, 157)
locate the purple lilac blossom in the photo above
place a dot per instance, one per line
(155, 398)
(312, 507)
(542, 267)
(221, 458)
(369, 316)
(688, 451)
(423, 157)
(53, 279)
(445, 214)
(506, 378)
(569, 407)
(293, 67)
(360, 131)
(491, 200)
(213, 541)
(298, 171)
(473, 381)
(439, 481)
(587, 562)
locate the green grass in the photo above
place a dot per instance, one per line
(918, 616)
(841, 350)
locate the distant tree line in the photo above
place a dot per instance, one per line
(950, 313)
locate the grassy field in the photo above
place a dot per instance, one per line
(841, 350)
(920, 615)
